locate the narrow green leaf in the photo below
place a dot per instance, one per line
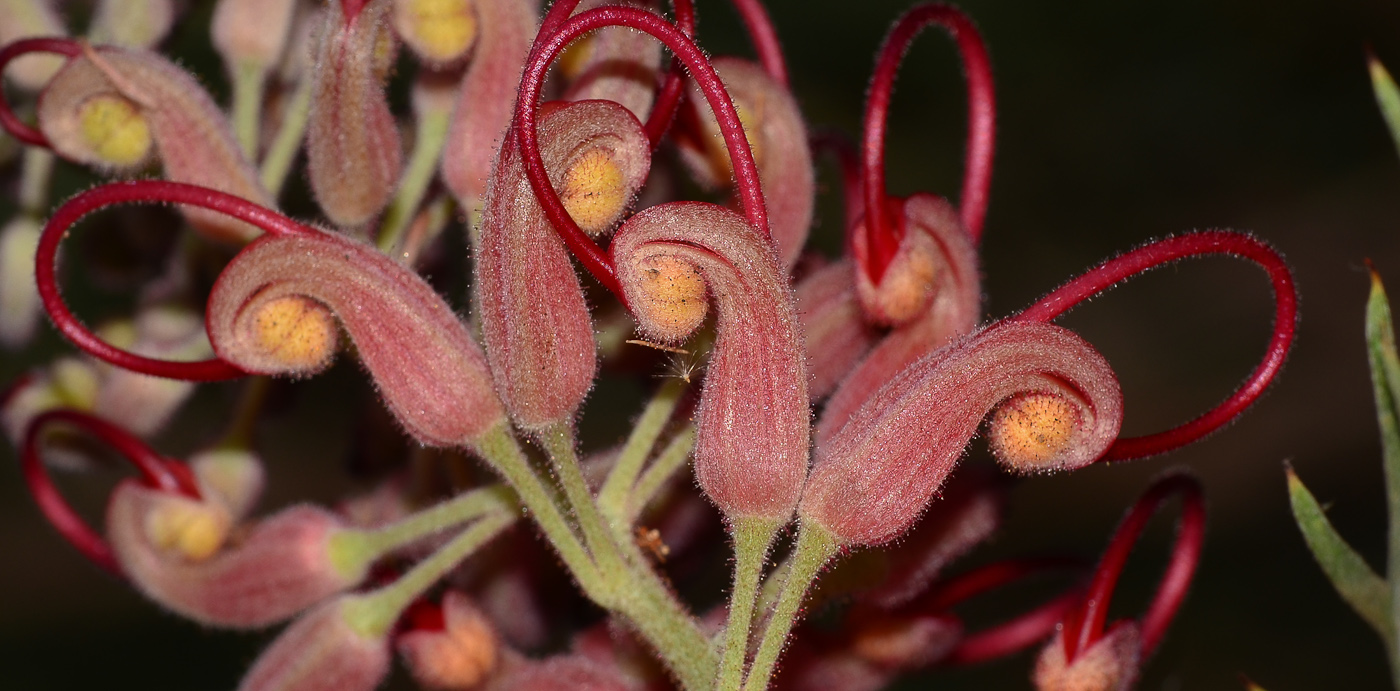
(1385, 380)
(1388, 96)
(1366, 592)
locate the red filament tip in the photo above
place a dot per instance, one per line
(16, 127)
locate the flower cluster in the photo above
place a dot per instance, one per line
(837, 397)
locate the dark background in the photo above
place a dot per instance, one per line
(1119, 123)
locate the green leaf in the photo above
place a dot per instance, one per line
(1388, 96)
(1366, 592)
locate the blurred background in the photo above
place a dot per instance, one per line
(1118, 123)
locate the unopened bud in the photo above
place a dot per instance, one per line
(252, 32)
(1110, 664)
(132, 23)
(1032, 429)
(672, 298)
(296, 332)
(925, 265)
(114, 131)
(595, 191)
(461, 655)
(437, 31)
(615, 63)
(19, 299)
(29, 19)
(321, 651)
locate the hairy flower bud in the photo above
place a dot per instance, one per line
(487, 97)
(25, 19)
(321, 651)
(874, 477)
(1110, 664)
(833, 328)
(950, 309)
(19, 299)
(132, 23)
(614, 64)
(252, 32)
(430, 372)
(281, 566)
(753, 418)
(534, 321)
(354, 153)
(439, 32)
(460, 655)
(773, 124)
(106, 107)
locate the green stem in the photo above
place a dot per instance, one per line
(815, 546)
(558, 441)
(249, 81)
(752, 538)
(422, 166)
(374, 614)
(612, 499)
(277, 163)
(672, 459)
(36, 173)
(501, 451)
(1385, 379)
(354, 550)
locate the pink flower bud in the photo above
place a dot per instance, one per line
(568, 673)
(778, 138)
(273, 310)
(281, 566)
(949, 306)
(25, 19)
(534, 321)
(111, 107)
(1110, 664)
(874, 477)
(140, 403)
(252, 32)
(904, 643)
(833, 327)
(132, 23)
(461, 655)
(614, 64)
(487, 97)
(752, 436)
(354, 154)
(321, 651)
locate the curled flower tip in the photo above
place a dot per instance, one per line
(615, 64)
(163, 476)
(1030, 429)
(145, 191)
(439, 32)
(934, 256)
(1162, 252)
(534, 319)
(271, 313)
(321, 651)
(21, 19)
(460, 652)
(1083, 655)
(873, 477)
(882, 228)
(753, 419)
(13, 125)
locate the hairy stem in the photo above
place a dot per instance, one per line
(283, 150)
(667, 464)
(815, 546)
(612, 499)
(558, 441)
(422, 166)
(249, 82)
(752, 538)
(357, 549)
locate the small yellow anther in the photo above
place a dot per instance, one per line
(192, 530)
(1029, 431)
(298, 332)
(594, 191)
(672, 298)
(438, 30)
(115, 130)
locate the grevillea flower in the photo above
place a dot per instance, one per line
(454, 648)
(321, 651)
(614, 64)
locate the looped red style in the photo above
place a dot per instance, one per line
(141, 191)
(15, 127)
(883, 232)
(593, 258)
(157, 472)
(1153, 255)
(1085, 625)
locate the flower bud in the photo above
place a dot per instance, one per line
(1110, 664)
(132, 23)
(439, 32)
(934, 255)
(773, 125)
(108, 107)
(430, 372)
(874, 477)
(952, 309)
(281, 566)
(486, 100)
(321, 651)
(563, 673)
(833, 328)
(615, 64)
(461, 655)
(19, 299)
(1030, 429)
(28, 19)
(534, 320)
(140, 403)
(252, 32)
(354, 153)
(234, 477)
(753, 418)
(906, 642)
